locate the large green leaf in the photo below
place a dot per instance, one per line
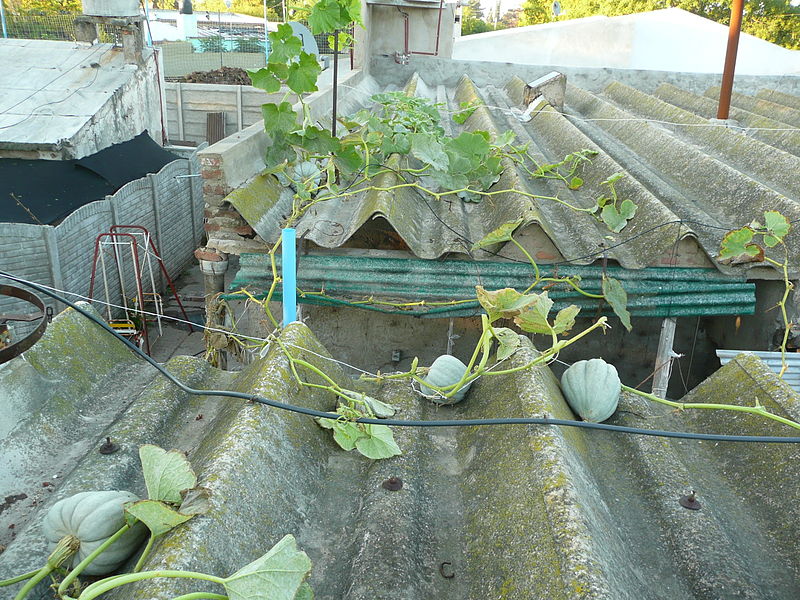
(277, 575)
(505, 303)
(617, 297)
(284, 44)
(166, 474)
(565, 319)
(346, 434)
(737, 247)
(427, 148)
(303, 74)
(315, 140)
(450, 181)
(378, 443)
(533, 318)
(265, 79)
(158, 517)
(279, 117)
(327, 16)
(305, 592)
(617, 219)
(349, 159)
(777, 225)
(469, 144)
(378, 408)
(278, 152)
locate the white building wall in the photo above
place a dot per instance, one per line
(668, 40)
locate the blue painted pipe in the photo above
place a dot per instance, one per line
(289, 274)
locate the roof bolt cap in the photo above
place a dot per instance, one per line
(690, 501)
(392, 484)
(108, 447)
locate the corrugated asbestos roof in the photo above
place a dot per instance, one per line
(526, 512)
(691, 178)
(653, 292)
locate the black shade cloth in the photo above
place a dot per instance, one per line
(47, 191)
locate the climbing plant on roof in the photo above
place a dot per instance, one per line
(402, 143)
(103, 528)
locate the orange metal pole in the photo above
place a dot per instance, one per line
(737, 7)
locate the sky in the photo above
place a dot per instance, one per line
(504, 5)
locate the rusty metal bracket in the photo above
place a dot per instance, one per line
(14, 350)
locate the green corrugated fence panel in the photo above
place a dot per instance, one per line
(346, 280)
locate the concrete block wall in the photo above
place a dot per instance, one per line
(188, 105)
(169, 204)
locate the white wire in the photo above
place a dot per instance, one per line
(204, 327)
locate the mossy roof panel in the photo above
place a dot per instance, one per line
(522, 512)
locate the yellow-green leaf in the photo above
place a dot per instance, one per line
(499, 235)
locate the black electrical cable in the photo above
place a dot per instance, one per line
(400, 422)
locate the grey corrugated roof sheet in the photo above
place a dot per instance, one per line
(525, 512)
(691, 178)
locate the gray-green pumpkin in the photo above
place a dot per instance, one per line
(93, 517)
(592, 388)
(446, 370)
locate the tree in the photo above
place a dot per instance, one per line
(509, 19)
(472, 18)
(534, 12)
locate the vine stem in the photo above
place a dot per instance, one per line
(32, 582)
(753, 410)
(67, 581)
(787, 288)
(18, 578)
(145, 553)
(101, 587)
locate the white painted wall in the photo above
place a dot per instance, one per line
(668, 40)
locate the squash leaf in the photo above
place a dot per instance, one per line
(284, 44)
(777, 227)
(506, 303)
(737, 247)
(378, 408)
(158, 517)
(615, 218)
(617, 297)
(303, 74)
(500, 235)
(278, 575)
(346, 433)
(195, 501)
(305, 592)
(377, 442)
(565, 319)
(265, 79)
(166, 473)
(533, 318)
(508, 341)
(428, 149)
(279, 117)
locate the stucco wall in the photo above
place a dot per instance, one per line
(669, 40)
(131, 109)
